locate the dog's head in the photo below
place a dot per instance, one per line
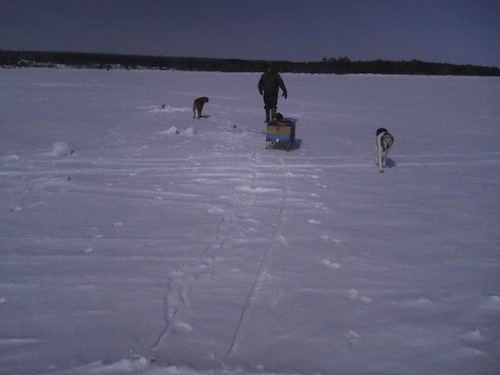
(381, 130)
(386, 141)
(204, 99)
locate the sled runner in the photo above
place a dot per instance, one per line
(280, 134)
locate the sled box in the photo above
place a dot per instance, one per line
(280, 134)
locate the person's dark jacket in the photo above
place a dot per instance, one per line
(270, 82)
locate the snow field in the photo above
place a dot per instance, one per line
(137, 240)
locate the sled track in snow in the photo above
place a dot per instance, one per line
(227, 223)
(240, 198)
(263, 264)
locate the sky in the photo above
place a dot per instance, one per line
(445, 31)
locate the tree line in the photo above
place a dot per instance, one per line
(19, 59)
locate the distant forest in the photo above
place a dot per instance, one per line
(20, 59)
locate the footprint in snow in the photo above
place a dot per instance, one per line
(493, 303)
(216, 211)
(331, 265)
(171, 131)
(472, 336)
(327, 238)
(36, 204)
(60, 149)
(182, 328)
(189, 132)
(10, 158)
(282, 240)
(417, 302)
(321, 207)
(352, 337)
(355, 295)
(365, 300)
(94, 232)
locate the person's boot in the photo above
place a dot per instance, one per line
(268, 116)
(273, 114)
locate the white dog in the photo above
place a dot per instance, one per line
(383, 142)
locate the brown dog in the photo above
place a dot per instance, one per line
(198, 106)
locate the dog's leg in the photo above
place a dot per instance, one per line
(384, 161)
(381, 153)
(379, 158)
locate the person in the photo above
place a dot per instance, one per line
(269, 84)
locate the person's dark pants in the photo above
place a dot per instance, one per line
(270, 104)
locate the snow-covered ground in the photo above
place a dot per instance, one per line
(137, 240)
